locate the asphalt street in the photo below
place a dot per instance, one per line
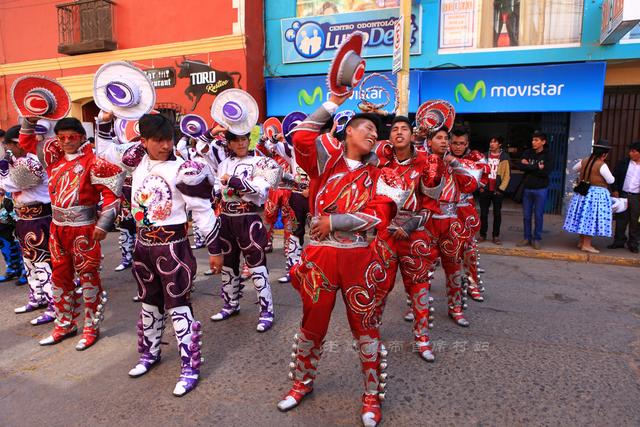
(555, 343)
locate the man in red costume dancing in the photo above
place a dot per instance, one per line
(405, 243)
(349, 196)
(447, 233)
(77, 181)
(468, 213)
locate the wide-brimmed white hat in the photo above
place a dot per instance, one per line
(124, 90)
(236, 110)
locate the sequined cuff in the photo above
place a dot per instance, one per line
(105, 130)
(433, 192)
(108, 216)
(240, 186)
(27, 128)
(411, 224)
(352, 222)
(315, 121)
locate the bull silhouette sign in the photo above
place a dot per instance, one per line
(205, 80)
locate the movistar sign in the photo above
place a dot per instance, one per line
(464, 93)
(566, 87)
(305, 99)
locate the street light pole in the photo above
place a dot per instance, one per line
(403, 75)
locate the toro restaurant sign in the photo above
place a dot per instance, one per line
(162, 77)
(618, 18)
(205, 80)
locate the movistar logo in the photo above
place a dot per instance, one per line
(304, 97)
(462, 91)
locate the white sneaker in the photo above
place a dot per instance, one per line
(284, 279)
(287, 403)
(428, 355)
(121, 267)
(369, 420)
(408, 316)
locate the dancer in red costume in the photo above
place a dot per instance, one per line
(293, 192)
(405, 243)
(278, 199)
(447, 233)
(468, 213)
(77, 181)
(350, 196)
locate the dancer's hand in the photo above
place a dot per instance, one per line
(105, 116)
(215, 263)
(339, 100)
(217, 129)
(99, 234)
(321, 228)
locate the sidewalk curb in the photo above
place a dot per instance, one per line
(561, 256)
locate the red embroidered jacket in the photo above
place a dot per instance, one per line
(78, 180)
(358, 199)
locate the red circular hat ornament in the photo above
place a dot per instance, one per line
(39, 96)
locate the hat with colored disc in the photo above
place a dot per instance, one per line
(39, 96)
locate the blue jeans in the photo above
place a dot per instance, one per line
(533, 204)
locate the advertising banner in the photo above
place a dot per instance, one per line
(544, 88)
(316, 38)
(306, 94)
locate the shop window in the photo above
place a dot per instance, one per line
(498, 24)
(323, 7)
(632, 36)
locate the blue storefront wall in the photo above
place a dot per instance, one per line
(430, 57)
(543, 88)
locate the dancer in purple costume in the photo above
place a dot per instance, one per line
(164, 188)
(245, 182)
(27, 180)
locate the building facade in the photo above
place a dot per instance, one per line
(191, 50)
(570, 68)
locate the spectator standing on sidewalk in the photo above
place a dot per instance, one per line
(499, 176)
(536, 164)
(590, 215)
(627, 184)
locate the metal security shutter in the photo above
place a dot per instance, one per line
(619, 121)
(556, 126)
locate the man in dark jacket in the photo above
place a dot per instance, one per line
(627, 184)
(499, 176)
(536, 163)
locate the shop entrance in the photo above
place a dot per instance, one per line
(516, 129)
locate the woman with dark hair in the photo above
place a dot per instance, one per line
(590, 215)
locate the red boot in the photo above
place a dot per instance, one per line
(89, 338)
(304, 363)
(295, 396)
(59, 334)
(474, 292)
(457, 315)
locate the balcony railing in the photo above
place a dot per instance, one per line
(85, 26)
